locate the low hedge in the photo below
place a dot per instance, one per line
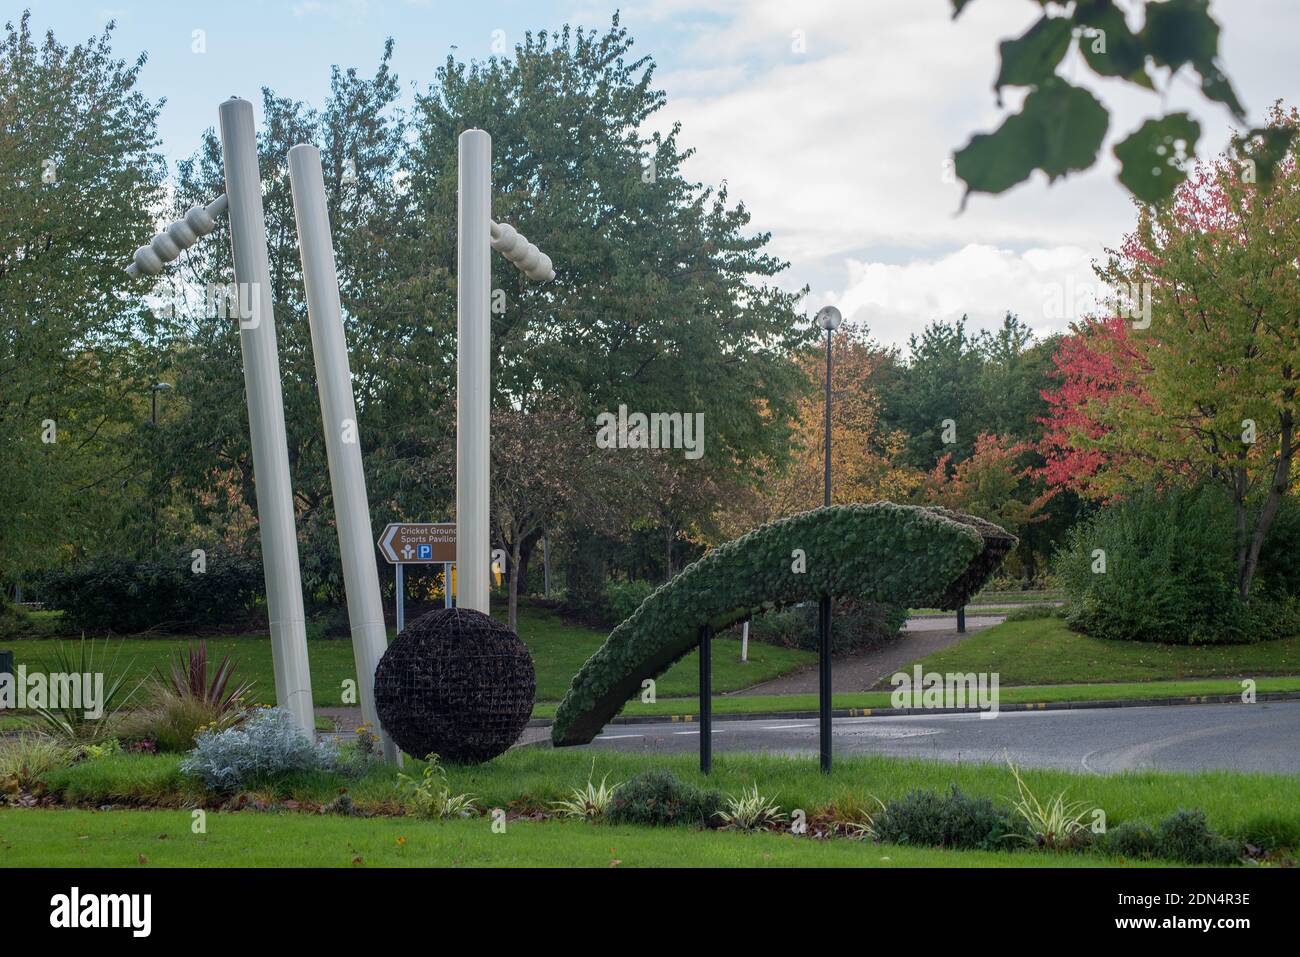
(900, 555)
(127, 595)
(622, 598)
(658, 798)
(930, 819)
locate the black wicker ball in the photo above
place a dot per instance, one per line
(457, 684)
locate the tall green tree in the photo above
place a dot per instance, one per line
(937, 399)
(79, 176)
(662, 300)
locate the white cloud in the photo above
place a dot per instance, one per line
(1045, 287)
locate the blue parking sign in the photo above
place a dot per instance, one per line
(425, 551)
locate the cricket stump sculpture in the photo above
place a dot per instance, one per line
(342, 442)
(275, 513)
(477, 233)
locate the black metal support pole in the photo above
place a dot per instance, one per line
(153, 501)
(961, 620)
(706, 700)
(824, 679)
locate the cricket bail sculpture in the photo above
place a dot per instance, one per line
(456, 660)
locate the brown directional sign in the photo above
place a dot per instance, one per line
(410, 543)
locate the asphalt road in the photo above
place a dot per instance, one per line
(1257, 737)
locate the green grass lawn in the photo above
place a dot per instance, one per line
(1044, 651)
(73, 838)
(558, 649)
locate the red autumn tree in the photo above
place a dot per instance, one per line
(1207, 386)
(1098, 366)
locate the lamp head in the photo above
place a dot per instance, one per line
(829, 318)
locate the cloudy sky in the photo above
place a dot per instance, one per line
(833, 120)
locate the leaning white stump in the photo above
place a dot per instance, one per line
(275, 515)
(342, 440)
(473, 369)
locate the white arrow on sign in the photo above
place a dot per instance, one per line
(386, 543)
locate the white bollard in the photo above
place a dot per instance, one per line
(275, 515)
(342, 441)
(473, 368)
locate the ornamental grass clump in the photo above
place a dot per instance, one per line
(90, 721)
(751, 811)
(853, 814)
(186, 699)
(588, 803)
(25, 760)
(266, 746)
(1056, 824)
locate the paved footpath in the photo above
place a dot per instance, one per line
(862, 672)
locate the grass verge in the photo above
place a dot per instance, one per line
(1262, 809)
(73, 838)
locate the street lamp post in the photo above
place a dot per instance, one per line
(155, 389)
(153, 422)
(829, 319)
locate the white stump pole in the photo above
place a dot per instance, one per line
(275, 515)
(342, 438)
(473, 372)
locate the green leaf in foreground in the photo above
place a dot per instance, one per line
(1152, 156)
(1033, 57)
(1060, 130)
(1262, 149)
(1181, 31)
(1108, 46)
